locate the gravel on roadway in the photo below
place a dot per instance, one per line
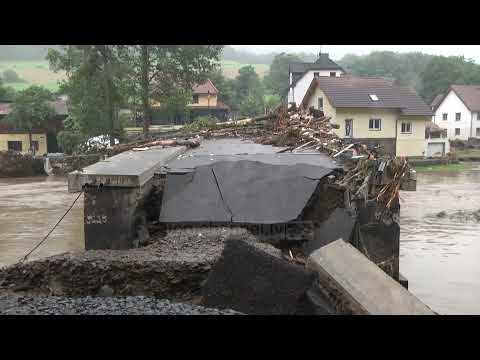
(130, 305)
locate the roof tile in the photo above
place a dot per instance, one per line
(470, 95)
(352, 91)
(206, 88)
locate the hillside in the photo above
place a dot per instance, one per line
(33, 72)
(28, 61)
(37, 72)
(230, 68)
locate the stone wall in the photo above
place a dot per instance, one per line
(14, 164)
(63, 165)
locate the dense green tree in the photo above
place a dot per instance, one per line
(442, 72)
(176, 104)
(3, 91)
(165, 71)
(249, 91)
(7, 93)
(276, 82)
(247, 83)
(252, 105)
(94, 77)
(10, 76)
(30, 110)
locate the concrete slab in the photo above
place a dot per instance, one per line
(232, 147)
(128, 169)
(360, 285)
(212, 151)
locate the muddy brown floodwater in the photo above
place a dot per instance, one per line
(440, 242)
(29, 208)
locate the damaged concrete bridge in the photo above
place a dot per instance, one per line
(232, 224)
(303, 227)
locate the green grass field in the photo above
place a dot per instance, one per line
(33, 73)
(230, 68)
(39, 73)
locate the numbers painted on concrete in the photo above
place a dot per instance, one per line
(96, 219)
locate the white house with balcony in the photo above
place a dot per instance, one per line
(458, 111)
(302, 74)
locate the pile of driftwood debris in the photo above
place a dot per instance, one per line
(303, 130)
(379, 179)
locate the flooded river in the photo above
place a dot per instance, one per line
(440, 255)
(29, 208)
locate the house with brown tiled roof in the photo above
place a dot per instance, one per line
(374, 111)
(204, 103)
(458, 111)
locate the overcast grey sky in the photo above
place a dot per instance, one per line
(337, 51)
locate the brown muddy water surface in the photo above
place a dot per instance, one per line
(29, 208)
(440, 252)
(440, 255)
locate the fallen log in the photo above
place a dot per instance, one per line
(166, 142)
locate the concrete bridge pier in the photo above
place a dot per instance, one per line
(116, 191)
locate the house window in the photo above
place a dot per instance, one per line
(35, 145)
(320, 103)
(316, 74)
(457, 131)
(478, 132)
(15, 145)
(195, 99)
(444, 117)
(348, 128)
(333, 74)
(458, 116)
(406, 128)
(375, 124)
